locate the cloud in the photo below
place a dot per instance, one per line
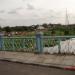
(2, 11)
(1, 19)
(30, 7)
(15, 11)
(26, 0)
(12, 12)
(19, 8)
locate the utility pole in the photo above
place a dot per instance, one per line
(67, 23)
(66, 18)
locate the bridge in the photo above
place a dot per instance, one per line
(58, 51)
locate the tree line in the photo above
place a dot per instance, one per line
(56, 29)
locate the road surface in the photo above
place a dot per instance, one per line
(10, 68)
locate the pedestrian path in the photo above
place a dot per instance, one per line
(43, 59)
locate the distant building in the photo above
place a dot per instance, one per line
(41, 28)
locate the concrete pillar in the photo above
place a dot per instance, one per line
(59, 46)
(1, 41)
(39, 42)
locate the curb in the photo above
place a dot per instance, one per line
(34, 64)
(57, 66)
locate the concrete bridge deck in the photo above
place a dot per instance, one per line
(41, 59)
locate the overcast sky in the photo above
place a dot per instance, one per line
(28, 12)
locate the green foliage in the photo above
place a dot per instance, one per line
(51, 29)
(7, 29)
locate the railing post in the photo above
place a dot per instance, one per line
(1, 41)
(13, 47)
(59, 46)
(39, 42)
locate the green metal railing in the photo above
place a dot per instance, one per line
(18, 43)
(59, 44)
(39, 43)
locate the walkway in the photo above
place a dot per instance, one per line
(41, 59)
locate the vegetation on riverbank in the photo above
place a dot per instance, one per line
(49, 29)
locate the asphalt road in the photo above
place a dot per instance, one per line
(10, 68)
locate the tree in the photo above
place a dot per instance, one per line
(45, 25)
(7, 29)
(66, 32)
(0, 29)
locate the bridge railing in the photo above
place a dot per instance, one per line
(59, 44)
(39, 43)
(26, 44)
